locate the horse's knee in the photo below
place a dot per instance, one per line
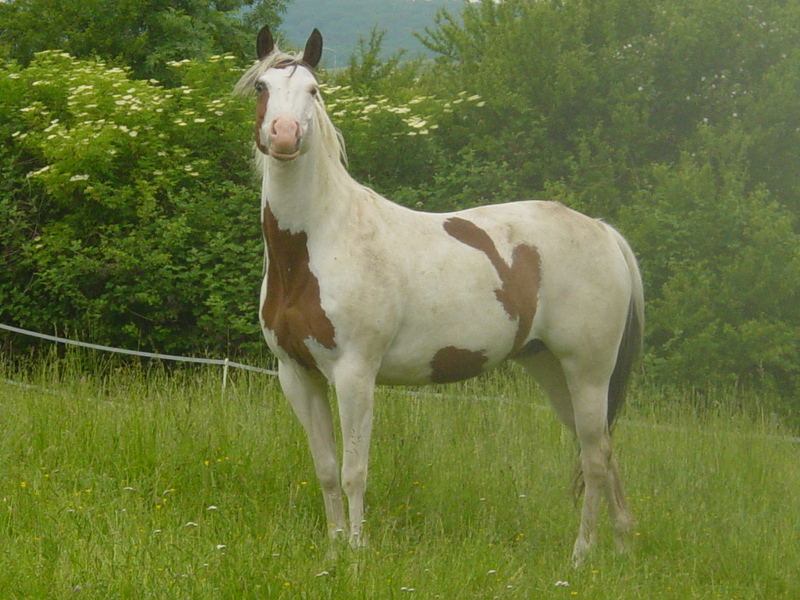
(354, 479)
(328, 478)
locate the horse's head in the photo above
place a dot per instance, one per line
(286, 92)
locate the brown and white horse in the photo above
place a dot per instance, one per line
(359, 290)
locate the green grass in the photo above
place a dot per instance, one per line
(126, 483)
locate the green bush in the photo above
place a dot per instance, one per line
(136, 220)
(721, 266)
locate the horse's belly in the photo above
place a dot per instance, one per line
(428, 355)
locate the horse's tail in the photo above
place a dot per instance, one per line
(631, 344)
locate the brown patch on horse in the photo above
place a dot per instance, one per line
(261, 111)
(292, 309)
(520, 280)
(456, 364)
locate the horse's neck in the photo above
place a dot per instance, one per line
(306, 194)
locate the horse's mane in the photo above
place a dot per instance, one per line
(330, 136)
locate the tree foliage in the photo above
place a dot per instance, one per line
(142, 35)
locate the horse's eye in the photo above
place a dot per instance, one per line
(259, 87)
(314, 91)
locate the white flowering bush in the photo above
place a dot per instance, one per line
(94, 128)
(134, 215)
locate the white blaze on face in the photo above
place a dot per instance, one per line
(284, 110)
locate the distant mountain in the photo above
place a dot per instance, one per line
(343, 22)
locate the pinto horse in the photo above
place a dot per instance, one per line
(359, 290)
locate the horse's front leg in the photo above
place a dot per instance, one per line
(307, 392)
(355, 390)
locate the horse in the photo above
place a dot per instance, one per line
(360, 291)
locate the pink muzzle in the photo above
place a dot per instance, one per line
(284, 138)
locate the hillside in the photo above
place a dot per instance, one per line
(343, 22)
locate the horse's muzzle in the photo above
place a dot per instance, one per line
(284, 138)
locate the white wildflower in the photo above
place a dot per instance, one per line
(37, 173)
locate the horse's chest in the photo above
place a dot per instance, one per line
(292, 310)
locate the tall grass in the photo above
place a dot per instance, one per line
(139, 483)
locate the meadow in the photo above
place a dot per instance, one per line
(153, 483)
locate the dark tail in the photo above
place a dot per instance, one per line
(627, 356)
(631, 345)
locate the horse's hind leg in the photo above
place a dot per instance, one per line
(600, 473)
(618, 509)
(307, 393)
(545, 368)
(582, 409)
(549, 374)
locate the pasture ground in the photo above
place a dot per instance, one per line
(119, 482)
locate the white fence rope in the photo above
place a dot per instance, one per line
(225, 363)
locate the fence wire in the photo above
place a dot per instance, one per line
(223, 362)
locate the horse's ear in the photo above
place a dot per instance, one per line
(313, 52)
(264, 42)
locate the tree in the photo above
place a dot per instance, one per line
(721, 267)
(144, 35)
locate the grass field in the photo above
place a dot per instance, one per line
(124, 483)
